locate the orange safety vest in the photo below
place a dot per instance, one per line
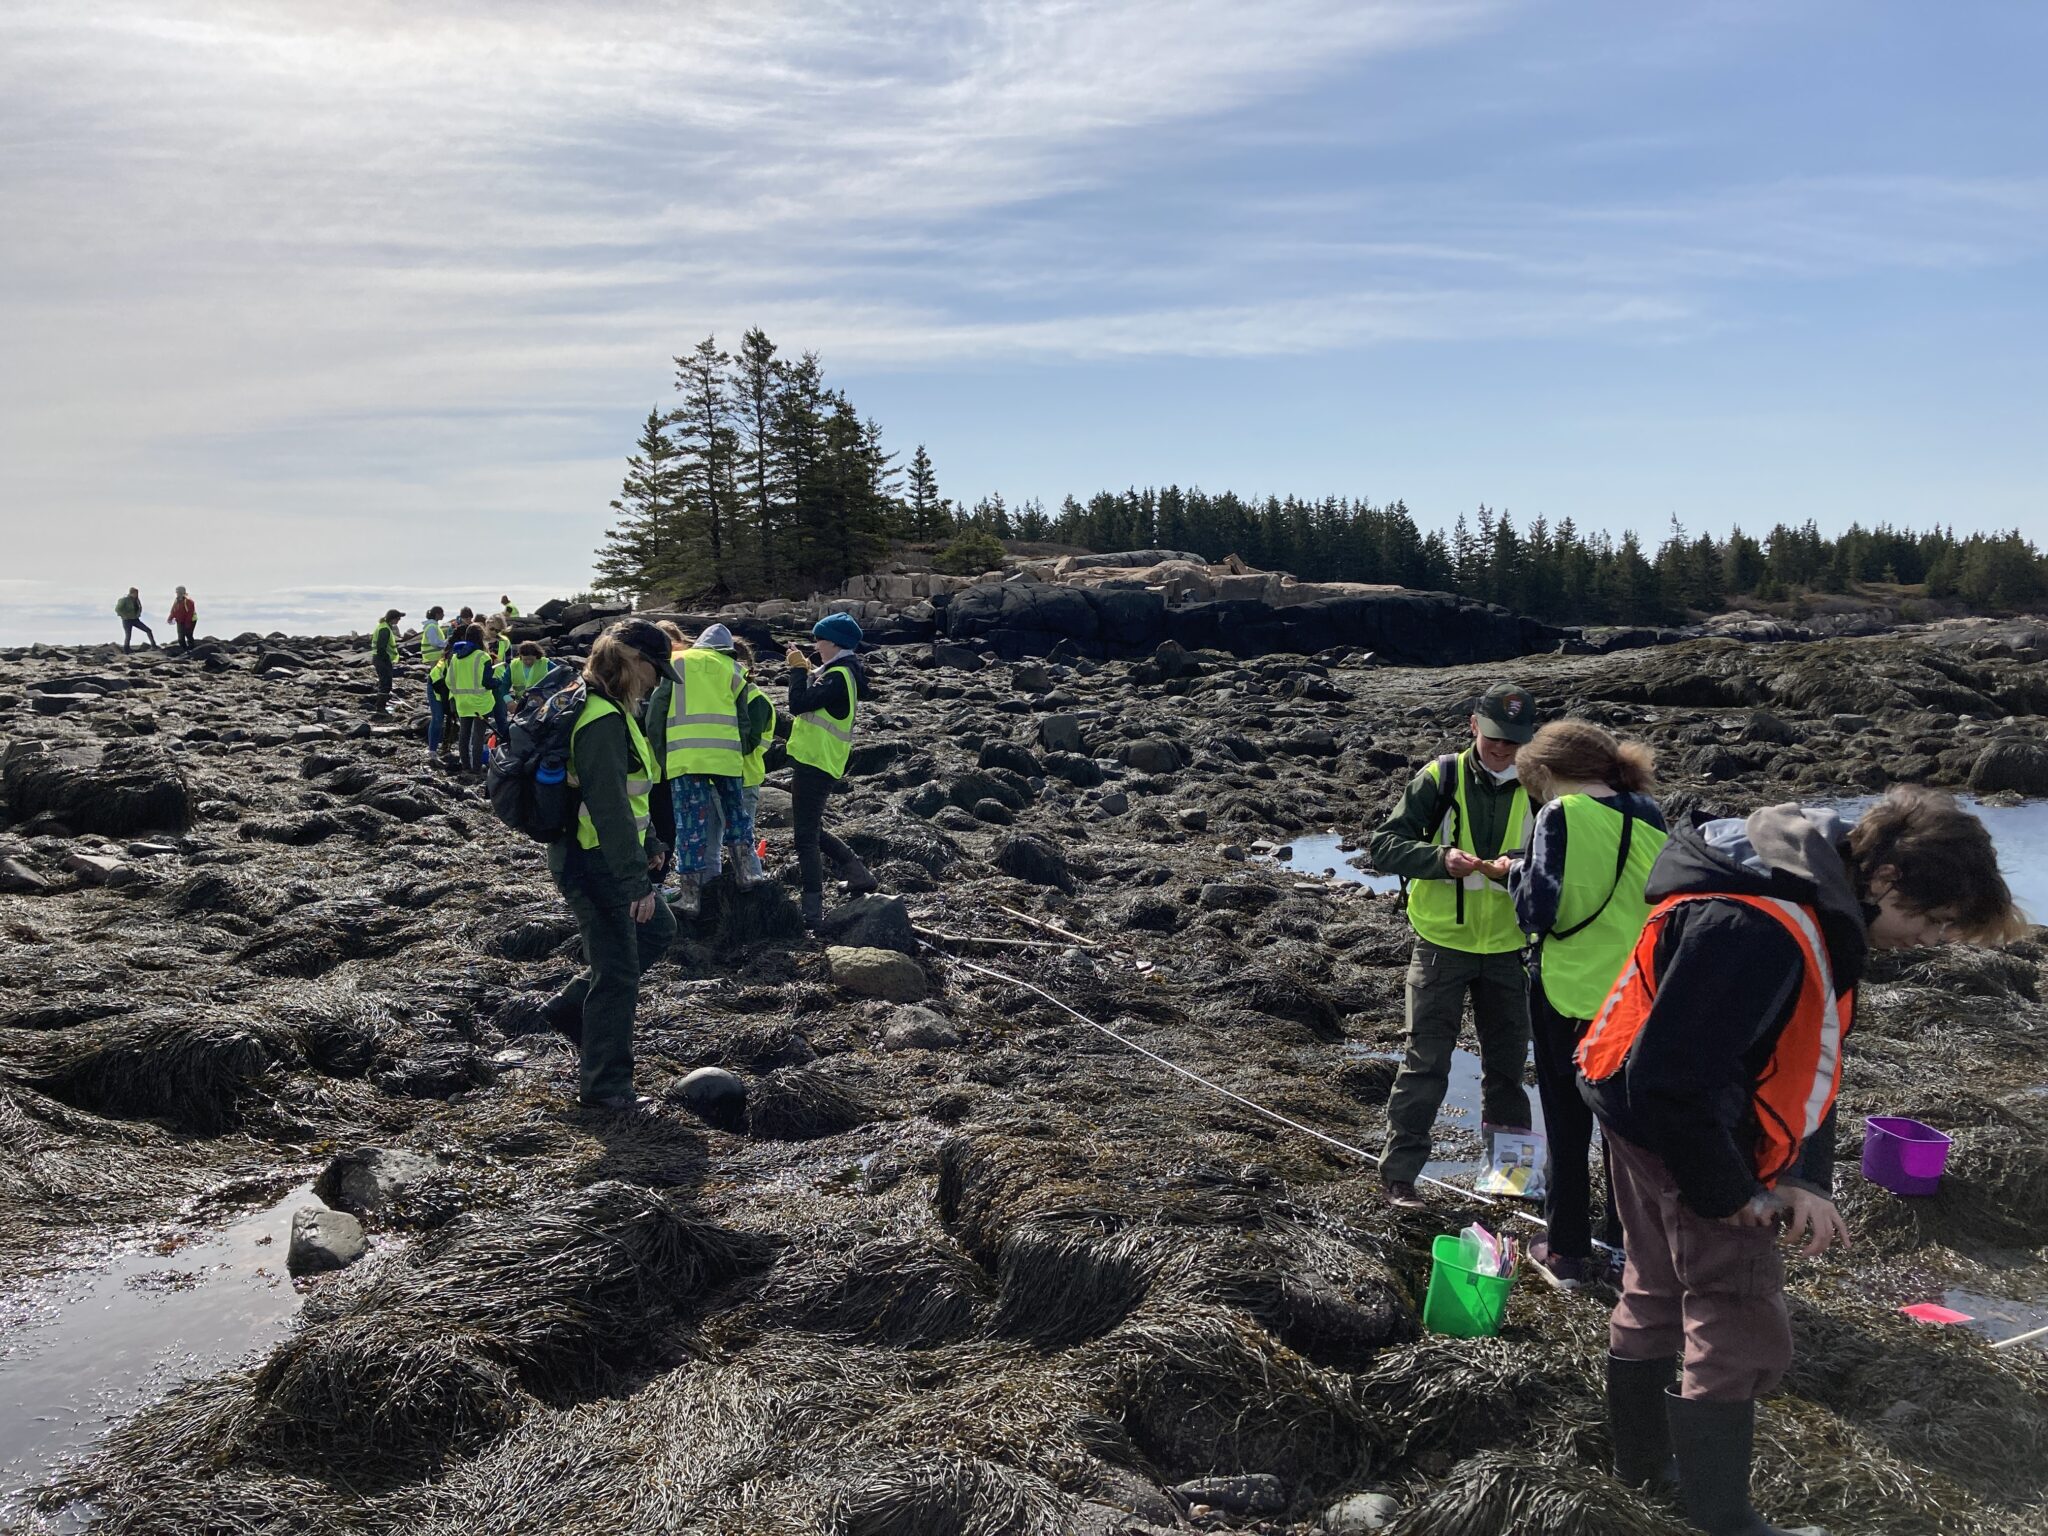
(1794, 1091)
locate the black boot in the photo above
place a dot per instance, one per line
(859, 879)
(565, 1017)
(814, 910)
(1637, 1423)
(1713, 1441)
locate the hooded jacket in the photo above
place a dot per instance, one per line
(825, 688)
(1727, 982)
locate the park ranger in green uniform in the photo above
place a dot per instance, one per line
(1448, 841)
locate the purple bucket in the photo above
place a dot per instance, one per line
(1903, 1155)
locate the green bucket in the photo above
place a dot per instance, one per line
(1462, 1302)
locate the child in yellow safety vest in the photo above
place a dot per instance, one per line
(695, 724)
(465, 672)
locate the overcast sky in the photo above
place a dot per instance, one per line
(315, 308)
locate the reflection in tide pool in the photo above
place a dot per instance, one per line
(78, 1359)
(1323, 855)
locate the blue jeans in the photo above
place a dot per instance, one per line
(433, 717)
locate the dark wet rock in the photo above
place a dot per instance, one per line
(925, 800)
(323, 1241)
(18, 879)
(1765, 728)
(967, 790)
(871, 757)
(879, 973)
(1031, 678)
(63, 703)
(994, 812)
(1114, 803)
(131, 787)
(1072, 768)
(1036, 859)
(1249, 1493)
(871, 922)
(961, 658)
(1012, 758)
(101, 869)
(1150, 754)
(382, 1185)
(1194, 819)
(437, 1072)
(1312, 743)
(1221, 897)
(2017, 765)
(1061, 733)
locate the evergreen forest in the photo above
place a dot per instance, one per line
(762, 480)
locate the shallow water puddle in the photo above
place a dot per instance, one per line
(80, 1357)
(1322, 855)
(1997, 1317)
(1457, 1121)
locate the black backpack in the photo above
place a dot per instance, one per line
(528, 783)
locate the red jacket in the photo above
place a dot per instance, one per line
(184, 611)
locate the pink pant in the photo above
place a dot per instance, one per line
(1694, 1284)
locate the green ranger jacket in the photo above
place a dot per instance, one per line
(615, 871)
(1402, 846)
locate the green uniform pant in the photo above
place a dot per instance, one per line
(1438, 982)
(619, 951)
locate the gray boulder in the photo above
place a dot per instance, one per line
(919, 1029)
(2016, 765)
(879, 973)
(1358, 1513)
(324, 1240)
(1060, 733)
(1248, 1493)
(714, 1095)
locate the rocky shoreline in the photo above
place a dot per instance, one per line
(957, 1261)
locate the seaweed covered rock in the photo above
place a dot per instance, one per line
(130, 787)
(198, 1075)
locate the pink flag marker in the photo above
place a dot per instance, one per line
(1934, 1312)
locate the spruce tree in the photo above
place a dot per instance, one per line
(643, 547)
(703, 430)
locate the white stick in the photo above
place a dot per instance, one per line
(2021, 1338)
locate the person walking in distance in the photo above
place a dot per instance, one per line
(1713, 1066)
(610, 869)
(184, 618)
(129, 611)
(1448, 841)
(823, 704)
(1579, 890)
(433, 646)
(384, 655)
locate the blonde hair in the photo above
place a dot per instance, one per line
(742, 652)
(674, 631)
(611, 672)
(1580, 752)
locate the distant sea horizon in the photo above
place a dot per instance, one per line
(34, 612)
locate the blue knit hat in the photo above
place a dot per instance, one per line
(840, 629)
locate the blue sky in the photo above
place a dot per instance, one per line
(309, 305)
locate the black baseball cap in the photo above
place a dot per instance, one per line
(648, 641)
(1506, 713)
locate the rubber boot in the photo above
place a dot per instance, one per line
(859, 879)
(565, 1017)
(1638, 1424)
(687, 900)
(1713, 1442)
(814, 910)
(746, 866)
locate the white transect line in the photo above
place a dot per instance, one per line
(1195, 1077)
